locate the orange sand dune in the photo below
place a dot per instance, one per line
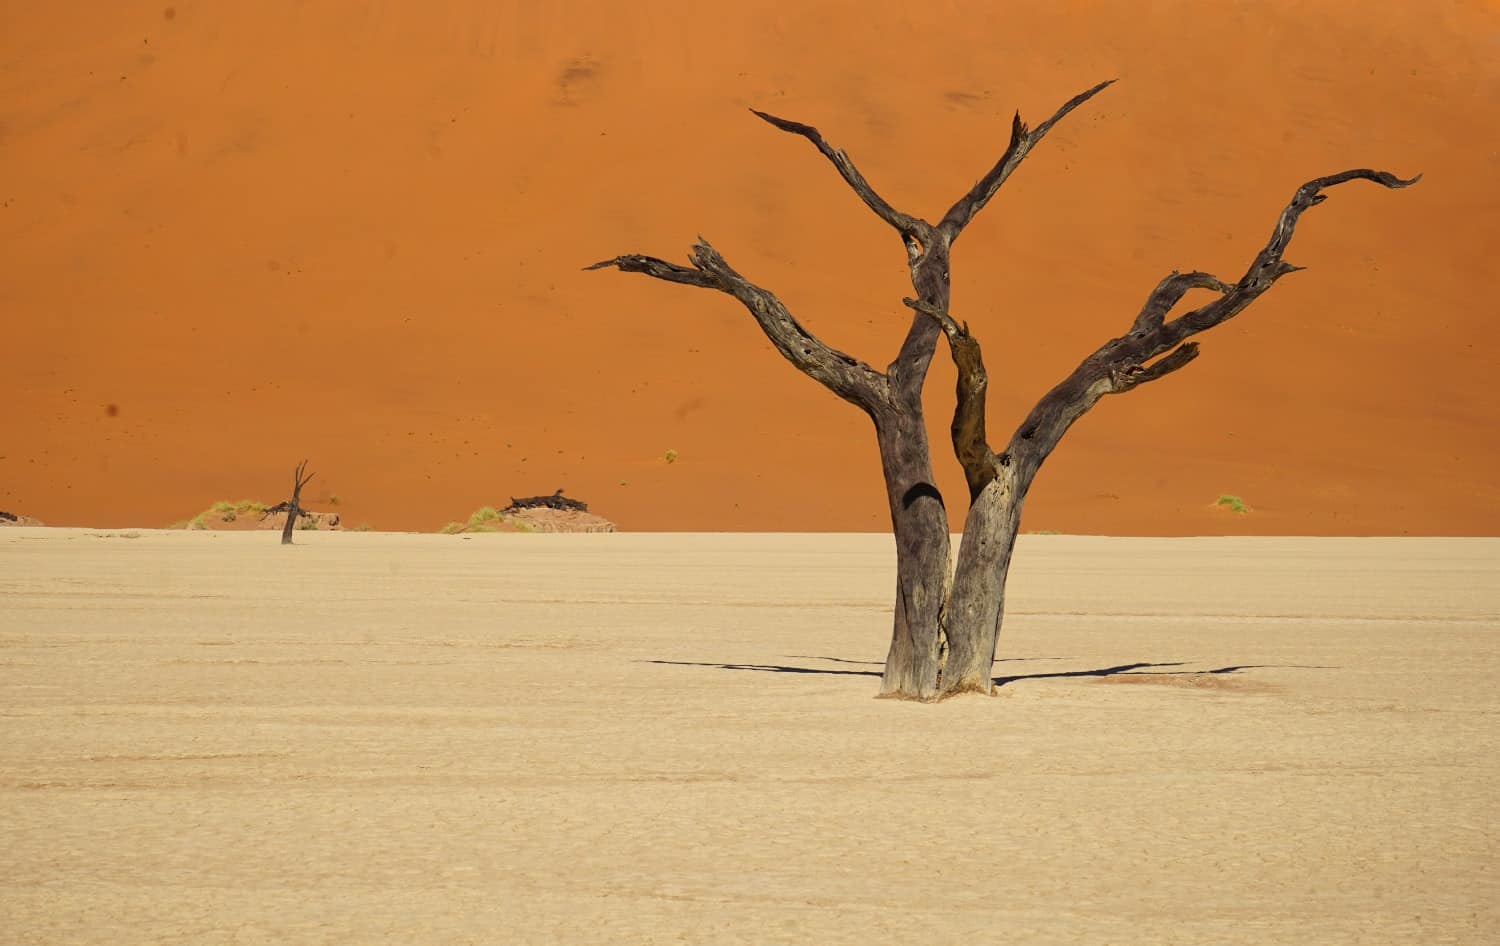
(240, 234)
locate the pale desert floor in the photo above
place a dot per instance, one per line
(418, 739)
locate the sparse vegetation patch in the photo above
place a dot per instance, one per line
(1232, 504)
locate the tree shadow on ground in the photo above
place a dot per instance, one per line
(1135, 669)
(1142, 668)
(769, 668)
(881, 663)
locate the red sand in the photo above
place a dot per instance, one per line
(238, 235)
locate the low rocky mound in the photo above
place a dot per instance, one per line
(542, 519)
(247, 515)
(12, 519)
(311, 521)
(555, 513)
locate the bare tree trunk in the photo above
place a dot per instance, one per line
(920, 526)
(919, 518)
(976, 605)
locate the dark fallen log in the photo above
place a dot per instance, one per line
(556, 501)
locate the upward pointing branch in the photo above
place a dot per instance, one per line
(917, 233)
(908, 226)
(1021, 143)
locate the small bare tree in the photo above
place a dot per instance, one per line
(292, 507)
(947, 622)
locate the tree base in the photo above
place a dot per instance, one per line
(976, 689)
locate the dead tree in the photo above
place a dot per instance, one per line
(947, 623)
(292, 507)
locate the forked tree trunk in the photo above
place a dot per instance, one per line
(947, 625)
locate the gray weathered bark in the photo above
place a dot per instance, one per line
(946, 624)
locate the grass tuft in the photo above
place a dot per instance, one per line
(479, 519)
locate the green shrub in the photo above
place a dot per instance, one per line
(1232, 503)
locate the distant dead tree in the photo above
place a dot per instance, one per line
(292, 507)
(947, 622)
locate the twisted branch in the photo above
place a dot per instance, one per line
(844, 375)
(1268, 265)
(1168, 292)
(970, 442)
(1123, 364)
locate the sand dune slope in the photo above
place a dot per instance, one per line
(240, 234)
(623, 738)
